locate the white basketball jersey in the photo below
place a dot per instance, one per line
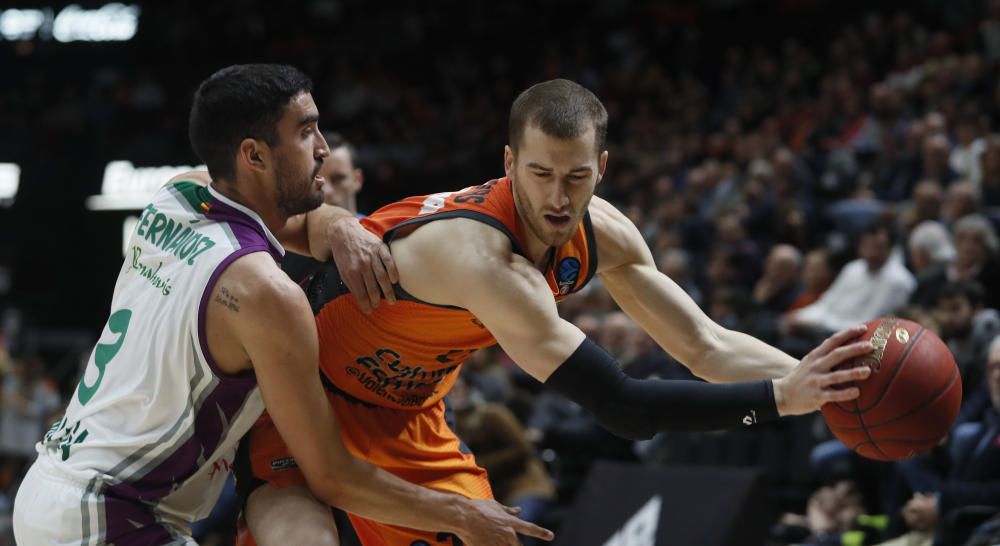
(153, 421)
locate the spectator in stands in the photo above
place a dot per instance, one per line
(676, 264)
(989, 184)
(934, 156)
(976, 259)
(966, 157)
(868, 287)
(930, 248)
(960, 200)
(967, 327)
(732, 234)
(924, 206)
(729, 307)
(342, 175)
(724, 268)
(830, 511)
(817, 275)
(619, 336)
(779, 287)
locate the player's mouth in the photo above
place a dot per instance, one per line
(558, 220)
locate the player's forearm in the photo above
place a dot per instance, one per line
(638, 409)
(735, 356)
(373, 493)
(321, 229)
(683, 330)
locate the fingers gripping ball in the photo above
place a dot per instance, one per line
(910, 400)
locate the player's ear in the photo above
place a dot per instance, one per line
(602, 164)
(359, 179)
(252, 155)
(508, 160)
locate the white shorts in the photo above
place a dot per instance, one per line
(54, 509)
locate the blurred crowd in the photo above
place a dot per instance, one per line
(790, 184)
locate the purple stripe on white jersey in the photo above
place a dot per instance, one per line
(246, 229)
(128, 523)
(210, 424)
(203, 305)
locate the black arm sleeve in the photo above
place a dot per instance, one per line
(638, 409)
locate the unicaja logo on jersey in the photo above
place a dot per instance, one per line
(567, 275)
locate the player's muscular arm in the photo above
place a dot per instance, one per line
(468, 264)
(476, 270)
(668, 314)
(265, 316)
(309, 234)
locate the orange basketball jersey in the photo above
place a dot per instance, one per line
(407, 355)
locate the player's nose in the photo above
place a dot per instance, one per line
(559, 198)
(322, 149)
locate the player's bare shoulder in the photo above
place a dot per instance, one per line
(257, 275)
(251, 296)
(618, 240)
(441, 253)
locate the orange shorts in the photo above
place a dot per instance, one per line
(417, 446)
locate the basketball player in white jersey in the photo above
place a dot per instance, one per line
(201, 315)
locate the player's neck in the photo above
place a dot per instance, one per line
(263, 205)
(539, 251)
(536, 248)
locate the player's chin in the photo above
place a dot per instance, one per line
(559, 238)
(316, 199)
(304, 204)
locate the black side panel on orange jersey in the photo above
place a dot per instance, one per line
(323, 286)
(588, 227)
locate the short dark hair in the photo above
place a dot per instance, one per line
(238, 102)
(880, 223)
(560, 108)
(336, 141)
(972, 291)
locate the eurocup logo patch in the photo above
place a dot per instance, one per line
(567, 275)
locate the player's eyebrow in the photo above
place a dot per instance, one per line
(539, 167)
(310, 118)
(581, 168)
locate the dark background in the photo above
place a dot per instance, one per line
(440, 78)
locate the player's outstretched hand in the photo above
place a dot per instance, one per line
(364, 262)
(489, 523)
(814, 381)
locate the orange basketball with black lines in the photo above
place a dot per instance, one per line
(910, 400)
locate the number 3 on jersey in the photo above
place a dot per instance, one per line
(104, 352)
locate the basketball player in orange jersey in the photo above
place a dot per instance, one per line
(156, 435)
(487, 265)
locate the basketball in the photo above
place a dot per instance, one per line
(908, 403)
